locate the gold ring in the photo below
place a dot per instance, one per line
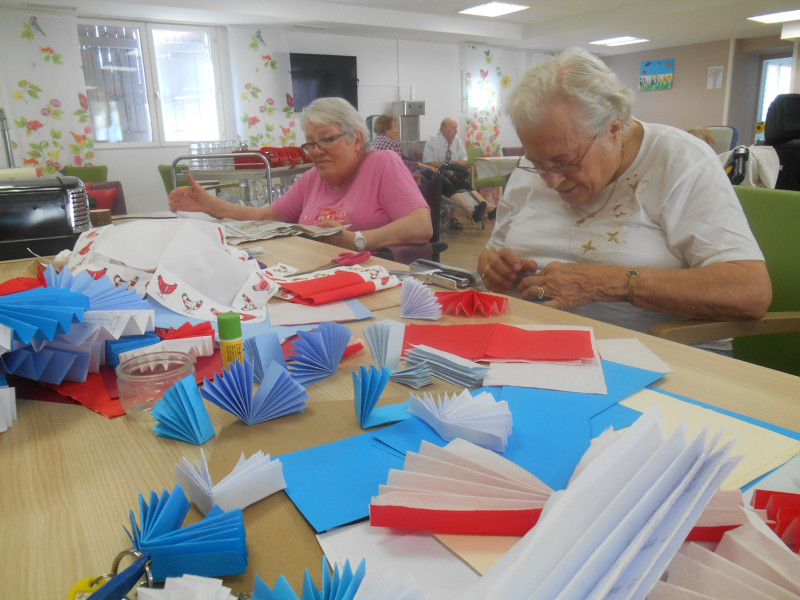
(541, 292)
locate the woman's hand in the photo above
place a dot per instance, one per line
(192, 198)
(568, 285)
(501, 270)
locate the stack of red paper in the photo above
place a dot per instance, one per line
(496, 341)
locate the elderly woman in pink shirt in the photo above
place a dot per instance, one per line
(372, 191)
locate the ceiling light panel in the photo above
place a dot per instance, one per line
(493, 9)
(779, 17)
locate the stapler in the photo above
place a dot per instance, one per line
(442, 275)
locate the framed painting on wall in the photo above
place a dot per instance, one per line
(656, 75)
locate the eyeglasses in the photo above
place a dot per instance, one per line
(527, 164)
(322, 144)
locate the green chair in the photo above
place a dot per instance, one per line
(774, 341)
(166, 175)
(485, 182)
(93, 174)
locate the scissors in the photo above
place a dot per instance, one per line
(345, 259)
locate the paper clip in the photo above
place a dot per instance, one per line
(120, 584)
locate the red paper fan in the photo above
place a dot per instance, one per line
(470, 303)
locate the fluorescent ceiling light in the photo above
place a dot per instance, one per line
(493, 9)
(619, 41)
(779, 17)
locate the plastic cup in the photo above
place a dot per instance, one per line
(142, 380)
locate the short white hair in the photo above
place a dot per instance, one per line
(334, 111)
(577, 77)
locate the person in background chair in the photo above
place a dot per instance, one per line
(445, 148)
(372, 191)
(618, 220)
(704, 133)
(386, 138)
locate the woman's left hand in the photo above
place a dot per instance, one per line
(568, 285)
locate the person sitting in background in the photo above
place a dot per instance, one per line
(372, 191)
(704, 133)
(622, 221)
(445, 147)
(386, 138)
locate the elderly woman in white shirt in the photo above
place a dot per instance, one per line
(623, 221)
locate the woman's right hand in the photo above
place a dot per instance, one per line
(191, 198)
(501, 270)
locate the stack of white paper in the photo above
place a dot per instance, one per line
(250, 480)
(478, 419)
(416, 376)
(614, 530)
(187, 586)
(385, 339)
(8, 404)
(459, 371)
(418, 301)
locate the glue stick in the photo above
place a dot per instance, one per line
(230, 337)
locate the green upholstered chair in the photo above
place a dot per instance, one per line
(166, 175)
(485, 182)
(774, 342)
(93, 174)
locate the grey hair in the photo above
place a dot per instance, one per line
(574, 76)
(334, 111)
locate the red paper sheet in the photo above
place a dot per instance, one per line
(783, 509)
(476, 522)
(503, 342)
(187, 330)
(339, 286)
(470, 303)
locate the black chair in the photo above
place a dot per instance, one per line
(782, 132)
(408, 253)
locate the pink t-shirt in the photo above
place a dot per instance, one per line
(382, 191)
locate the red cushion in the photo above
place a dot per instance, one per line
(105, 198)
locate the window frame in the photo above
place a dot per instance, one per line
(151, 79)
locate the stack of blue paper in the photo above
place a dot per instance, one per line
(317, 354)
(213, 547)
(131, 342)
(277, 396)
(181, 414)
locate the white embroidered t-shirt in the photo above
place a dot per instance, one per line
(673, 208)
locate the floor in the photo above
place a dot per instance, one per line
(464, 247)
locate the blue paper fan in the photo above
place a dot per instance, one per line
(116, 347)
(42, 312)
(102, 293)
(342, 585)
(368, 385)
(49, 365)
(181, 414)
(317, 353)
(277, 396)
(261, 350)
(213, 547)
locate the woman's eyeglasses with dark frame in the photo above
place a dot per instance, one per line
(526, 164)
(322, 144)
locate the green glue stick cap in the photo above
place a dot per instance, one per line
(230, 325)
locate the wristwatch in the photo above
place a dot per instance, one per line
(359, 241)
(633, 279)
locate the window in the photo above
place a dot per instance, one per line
(776, 78)
(120, 86)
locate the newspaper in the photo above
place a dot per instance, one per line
(239, 232)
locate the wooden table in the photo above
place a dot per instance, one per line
(70, 476)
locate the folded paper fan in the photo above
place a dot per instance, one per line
(8, 404)
(317, 354)
(479, 419)
(385, 339)
(250, 480)
(103, 294)
(48, 365)
(461, 488)
(261, 350)
(213, 547)
(181, 414)
(470, 303)
(418, 301)
(416, 376)
(41, 312)
(344, 584)
(450, 367)
(369, 385)
(278, 395)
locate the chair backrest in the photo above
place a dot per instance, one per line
(473, 153)
(726, 137)
(94, 174)
(774, 217)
